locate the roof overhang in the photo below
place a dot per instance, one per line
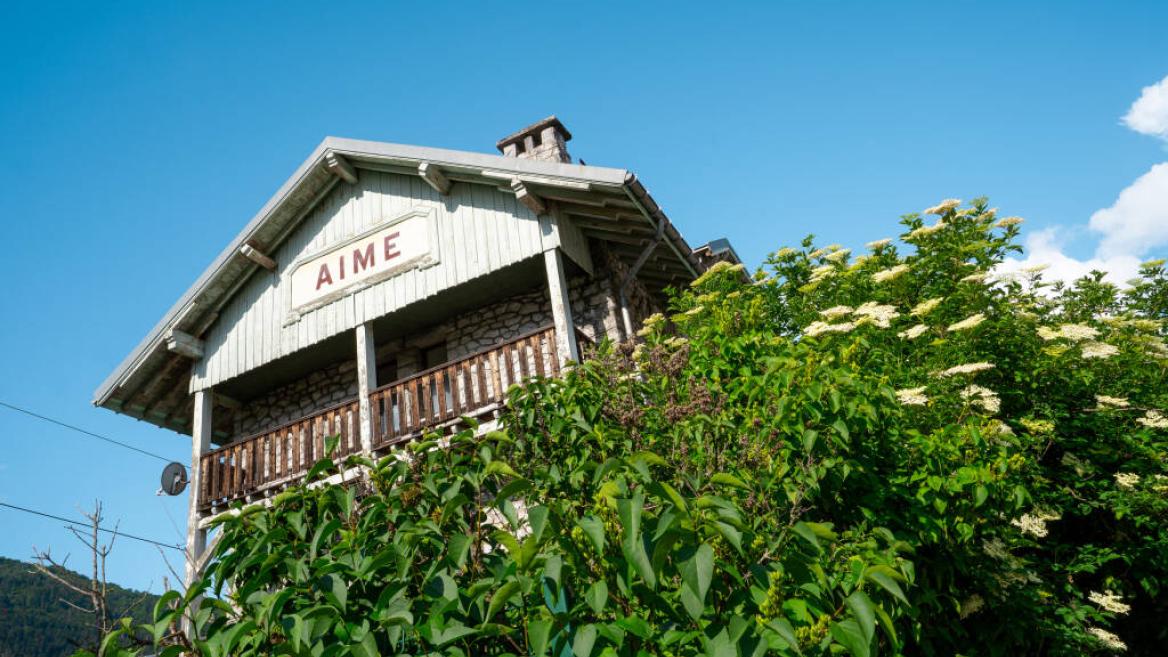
(608, 204)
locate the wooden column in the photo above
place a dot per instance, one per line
(200, 444)
(366, 381)
(561, 309)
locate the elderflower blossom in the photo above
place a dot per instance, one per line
(1154, 420)
(819, 328)
(925, 307)
(1107, 401)
(816, 253)
(874, 313)
(1072, 332)
(1099, 350)
(1127, 480)
(1107, 638)
(836, 312)
(654, 319)
(912, 396)
(889, 274)
(967, 323)
(987, 399)
(838, 256)
(944, 206)
(694, 311)
(1035, 525)
(1006, 222)
(821, 272)
(968, 368)
(926, 230)
(972, 605)
(784, 252)
(878, 244)
(914, 332)
(976, 277)
(1036, 269)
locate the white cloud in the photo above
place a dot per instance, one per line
(1045, 247)
(1138, 220)
(1149, 114)
(1135, 225)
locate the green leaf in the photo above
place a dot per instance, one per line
(884, 577)
(597, 596)
(501, 597)
(785, 630)
(538, 632)
(593, 528)
(583, 641)
(500, 468)
(727, 479)
(848, 634)
(335, 590)
(696, 574)
(862, 607)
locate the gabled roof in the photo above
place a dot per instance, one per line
(608, 204)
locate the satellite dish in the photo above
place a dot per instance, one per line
(174, 478)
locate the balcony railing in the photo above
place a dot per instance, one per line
(471, 386)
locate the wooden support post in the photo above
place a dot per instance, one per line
(366, 381)
(566, 347)
(200, 445)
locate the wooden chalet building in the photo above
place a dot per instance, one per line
(387, 290)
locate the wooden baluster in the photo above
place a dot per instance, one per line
(427, 400)
(377, 407)
(537, 353)
(466, 401)
(550, 337)
(483, 395)
(236, 471)
(444, 383)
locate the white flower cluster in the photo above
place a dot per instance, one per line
(821, 272)
(914, 332)
(889, 274)
(1006, 222)
(836, 312)
(819, 328)
(1107, 639)
(1154, 420)
(968, 368)
(1127, 480)
(1035, 524)
(878, 244)
(967, 323)
(1107, 401)
(944, 206)
(1072, 332)
(925, 307)
(875, 313)
(1109, 601)
(926, 230)
(912, 396)
(983, 397)
(838, 256)
(1099, 350)
(976, 277)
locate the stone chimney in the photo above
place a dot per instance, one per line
(544, 140)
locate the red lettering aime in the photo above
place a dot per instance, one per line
(362, 258)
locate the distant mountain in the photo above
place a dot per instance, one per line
(34, 622)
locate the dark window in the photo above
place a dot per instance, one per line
(434, 356)
(387, 371)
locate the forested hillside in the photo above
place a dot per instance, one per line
(34, 622)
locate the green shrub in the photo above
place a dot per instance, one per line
(891, 454)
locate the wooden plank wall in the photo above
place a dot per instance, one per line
(480, 229)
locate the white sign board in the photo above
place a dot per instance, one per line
(404, 243)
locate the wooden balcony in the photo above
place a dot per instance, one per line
(260, 465)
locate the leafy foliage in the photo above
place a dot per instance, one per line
(894, 454)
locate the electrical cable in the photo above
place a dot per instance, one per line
(76, 523)
(88, 433)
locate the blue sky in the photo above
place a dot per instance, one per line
(139, 139)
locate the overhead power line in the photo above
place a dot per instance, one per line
(88, 433)
(78, 523)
